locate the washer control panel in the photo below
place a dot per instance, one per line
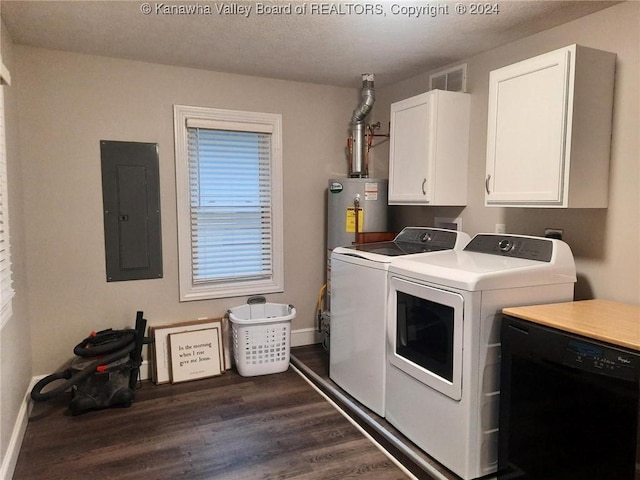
(528, 248)
(444, 239)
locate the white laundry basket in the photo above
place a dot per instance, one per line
(261, 336)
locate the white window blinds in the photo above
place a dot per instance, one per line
(6, 284)
(229, 201)
(230, 187)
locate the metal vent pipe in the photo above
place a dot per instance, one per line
(358, 128)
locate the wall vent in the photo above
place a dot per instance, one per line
(452, 79)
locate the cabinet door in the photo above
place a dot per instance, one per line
(527, 131)
(410, 142)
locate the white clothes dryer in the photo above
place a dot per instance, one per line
(443, 358)
(357, 348)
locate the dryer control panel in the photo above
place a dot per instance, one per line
(529, 248)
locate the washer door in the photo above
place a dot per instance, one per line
(425, 331)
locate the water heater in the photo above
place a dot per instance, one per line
(355, 205)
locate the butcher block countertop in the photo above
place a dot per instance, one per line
(611, 322)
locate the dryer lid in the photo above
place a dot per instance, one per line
(498, 262)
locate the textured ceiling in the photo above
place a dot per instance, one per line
(320, 42)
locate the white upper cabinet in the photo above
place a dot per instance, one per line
(549, 130)
(429, 149)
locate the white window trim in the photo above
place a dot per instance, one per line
(232, 120)
(7, 294)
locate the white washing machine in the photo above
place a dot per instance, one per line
(359, 304)
(443, 358)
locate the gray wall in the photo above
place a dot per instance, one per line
(62, 104)
(15, 337)
(605, 242)
(69, 102)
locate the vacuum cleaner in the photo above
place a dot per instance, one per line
(105, 372)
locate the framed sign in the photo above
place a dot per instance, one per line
(161, 360)
(195, 354)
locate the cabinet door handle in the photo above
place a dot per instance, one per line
(486, 184)
(424, 181)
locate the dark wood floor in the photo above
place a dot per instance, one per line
(313, 361)
(227, 427)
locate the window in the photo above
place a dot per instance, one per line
(229, 200)
(6, 282)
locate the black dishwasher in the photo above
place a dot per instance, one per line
(568, 406)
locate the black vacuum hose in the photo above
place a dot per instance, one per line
(74, 379)
(103, 342)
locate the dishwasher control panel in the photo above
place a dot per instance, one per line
(597, 358)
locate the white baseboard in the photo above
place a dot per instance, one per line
(305, 336)
(10, 458)
(145, 370)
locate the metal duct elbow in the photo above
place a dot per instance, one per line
(358, 130)
(368, 99)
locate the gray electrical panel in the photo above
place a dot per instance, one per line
(131, 201)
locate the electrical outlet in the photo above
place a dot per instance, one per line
(449, 223)
(553, 233)
(501, 228)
